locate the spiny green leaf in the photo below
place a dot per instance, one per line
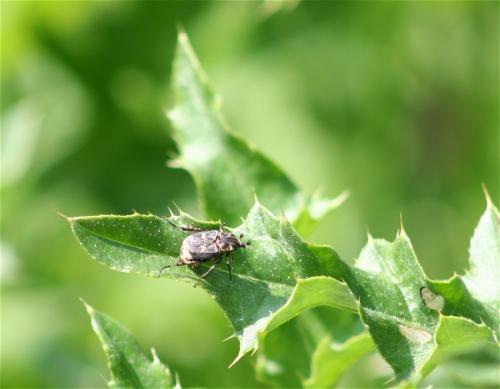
(226, 169)
(129, 366)
(407, 329)
(476, 295)
(274, 278)
(387, 280)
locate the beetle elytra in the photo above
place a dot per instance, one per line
(204, 245)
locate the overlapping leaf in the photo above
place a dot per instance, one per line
(129, 366)
(226, 169)
(410, 333)
(331, 359)
(274, 279)
(311, 350)
(454, 336)
(279, 275)
(476, 295)
(387, 280)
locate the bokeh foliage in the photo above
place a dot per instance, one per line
(396, 101)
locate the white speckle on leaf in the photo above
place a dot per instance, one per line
(415, 335)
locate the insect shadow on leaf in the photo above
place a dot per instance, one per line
(203, 245)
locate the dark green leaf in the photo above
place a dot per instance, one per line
(226, 169)
(311, 349)
(129, 366)
(274, 279)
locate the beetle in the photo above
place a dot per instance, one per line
(203, 245)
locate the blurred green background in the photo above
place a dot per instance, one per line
(395, 101)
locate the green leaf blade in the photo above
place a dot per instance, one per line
(455, 336)
(331, 359)
(483, 277)
(409, 331)
(312, 350)
(387, 280)
(137, 240)
(128, 365)
(274, 278)
(476, 295)
(228, 171)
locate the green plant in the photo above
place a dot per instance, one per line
(281, 275)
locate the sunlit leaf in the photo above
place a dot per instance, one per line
(387, 279)
(405, 323)
(476, 295)
(128, 365)
(227, 170)
(274, 279)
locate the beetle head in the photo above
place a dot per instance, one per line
(229, 242)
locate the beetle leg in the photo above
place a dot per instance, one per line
(161, 270)
(180, 262)
(185, 228)
(164, 267)
(208, 271)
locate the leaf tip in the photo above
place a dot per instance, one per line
(241, 354)
(64, 216)
(90, 310)
(181, 34)
(177, 208)
(401, 234)
(180, 29)
(340, 199)
(238, 357)
(255, 198)
(229, 337)
(489, 202)
(368, 234)
(155, 355)
(186, 56)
